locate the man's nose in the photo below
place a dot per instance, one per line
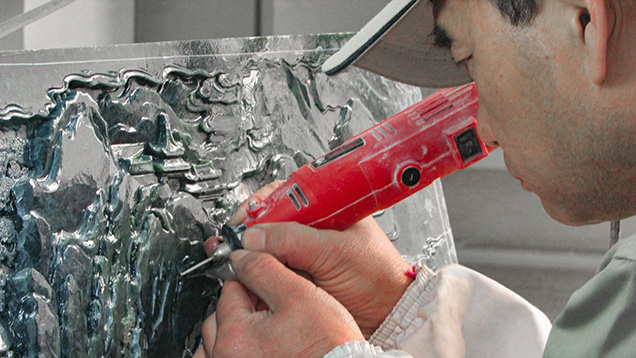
(484, 129)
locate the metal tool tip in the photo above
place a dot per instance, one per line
(197, 266)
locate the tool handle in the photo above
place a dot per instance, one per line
(381, 166)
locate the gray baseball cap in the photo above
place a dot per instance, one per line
(397, 44)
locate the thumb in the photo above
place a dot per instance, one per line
(298, 246)
(269, 279)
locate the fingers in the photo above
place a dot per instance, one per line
(208, 333)
(259, 195)
(200, 353)
(268, 278)
(235, 302)
(298, 246)
(305, 248)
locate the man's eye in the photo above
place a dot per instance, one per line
(441, 38)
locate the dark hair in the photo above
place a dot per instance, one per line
(518, 12)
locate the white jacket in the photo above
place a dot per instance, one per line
(455, 312)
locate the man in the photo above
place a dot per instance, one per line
(558, 95)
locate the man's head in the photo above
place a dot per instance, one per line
(557, 93)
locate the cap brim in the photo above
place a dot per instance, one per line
(397, 44)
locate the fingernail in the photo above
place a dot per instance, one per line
(253, 239)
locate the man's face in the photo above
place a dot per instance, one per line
(535, 104)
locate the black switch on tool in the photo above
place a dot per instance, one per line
(468, 144)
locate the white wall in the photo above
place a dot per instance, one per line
(282, 17)
(167, 20)
(9, 9)
(161, 20)
(82, 23)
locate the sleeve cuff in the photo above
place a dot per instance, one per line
(406, 309)
(354, 349)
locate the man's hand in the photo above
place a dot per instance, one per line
(358, 266)
(296, 318)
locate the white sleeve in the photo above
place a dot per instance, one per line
(453, 313)
(458, 312)
(363, 350)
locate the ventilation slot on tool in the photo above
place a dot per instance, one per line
(389, 128)
(383, 132)
(301, 195)
(429, 112)
(294, 199)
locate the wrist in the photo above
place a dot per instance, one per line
(393, 288)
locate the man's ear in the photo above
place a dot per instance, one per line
(593, 21)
